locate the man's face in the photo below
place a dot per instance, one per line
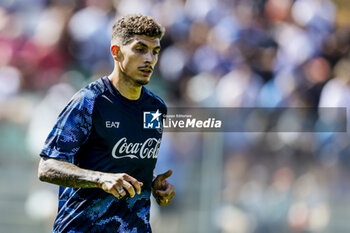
(138, 58)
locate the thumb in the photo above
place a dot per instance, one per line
(165, 174)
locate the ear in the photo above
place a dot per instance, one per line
(115, 52)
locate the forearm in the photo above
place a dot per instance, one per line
(67, 174)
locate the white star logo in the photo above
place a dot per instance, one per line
(156, 115)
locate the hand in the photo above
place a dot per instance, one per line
(119, 184)
(163, 191)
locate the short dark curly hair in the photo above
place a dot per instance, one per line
(125, 28)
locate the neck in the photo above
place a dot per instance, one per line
(125, 85)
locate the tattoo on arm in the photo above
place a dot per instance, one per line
(63, 173)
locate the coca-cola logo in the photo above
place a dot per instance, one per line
(140, 150)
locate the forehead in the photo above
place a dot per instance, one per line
(151, 42)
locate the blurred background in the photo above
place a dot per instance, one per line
(216, 53)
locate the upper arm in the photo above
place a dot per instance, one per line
(71, 129)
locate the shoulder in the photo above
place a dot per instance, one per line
(86, 97)
(94, 89)
(156, 99)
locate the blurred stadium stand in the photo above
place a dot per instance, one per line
(216, 53)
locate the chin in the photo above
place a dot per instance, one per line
(142, 82)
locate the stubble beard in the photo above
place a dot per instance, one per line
(138, 82)
(142, 82)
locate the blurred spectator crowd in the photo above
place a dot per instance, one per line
(215, 53)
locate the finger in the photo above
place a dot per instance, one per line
(164, 194)
(115, 193)
(161, 200)
(129, 188)
(167, 192)
(121, 191)
(165, 201)
(135, 183)
(165, 174)
(112, 190)
(170, 199)
(119, 188)
(171, 196)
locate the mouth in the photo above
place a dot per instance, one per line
(146, 70)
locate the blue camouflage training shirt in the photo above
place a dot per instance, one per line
(103, 131)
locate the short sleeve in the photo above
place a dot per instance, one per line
(72, 128)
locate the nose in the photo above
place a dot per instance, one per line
(150, 58)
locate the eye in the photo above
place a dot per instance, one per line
(155, 52)
(140, 49)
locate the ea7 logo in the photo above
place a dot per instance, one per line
(151, 120)
(112, 124)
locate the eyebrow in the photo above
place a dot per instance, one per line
(143, 44)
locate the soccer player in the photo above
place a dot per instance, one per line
(100, 151)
